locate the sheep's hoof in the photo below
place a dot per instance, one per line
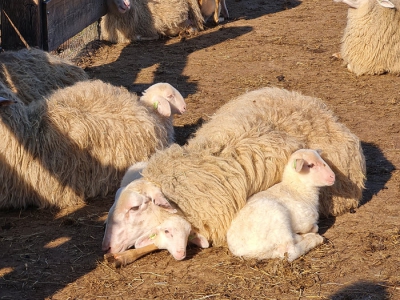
(112, 258)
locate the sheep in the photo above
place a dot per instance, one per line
(243, 149)
(283, 219)
(214, 8)
(310, 122)
(78, 142)
(161, 224)
(371, 39)
(128, 21)
(33, 73)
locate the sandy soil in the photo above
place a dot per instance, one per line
(289, 44)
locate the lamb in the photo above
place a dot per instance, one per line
(311, 123)
(214, 8)
(283, 219)
(240, 152)
(32, 73)
(78, 142)
(371, 39)
(160, 224)
(129, 20)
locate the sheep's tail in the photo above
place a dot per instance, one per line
(195, 15)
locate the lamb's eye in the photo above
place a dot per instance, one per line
(310, 165)
(134, 208)
(166, 231)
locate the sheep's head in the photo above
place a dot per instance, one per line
(118, 6)
(165, 99)
(132, 214)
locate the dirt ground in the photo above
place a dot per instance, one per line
(289, 44)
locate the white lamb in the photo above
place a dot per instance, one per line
(371, 40)
(283, 219)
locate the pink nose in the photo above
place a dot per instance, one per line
(180, 254)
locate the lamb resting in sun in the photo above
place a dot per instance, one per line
(282, 220)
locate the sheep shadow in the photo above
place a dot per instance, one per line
(362, 290)
(379, 172)
(250, 9)
(165, 61)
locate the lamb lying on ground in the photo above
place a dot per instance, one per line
(283, 219)
(161, 225)
(79, 141)
(131, 20)
(33, 73)
(371, 39)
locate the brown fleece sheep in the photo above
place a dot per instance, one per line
(33, 73)
(77, 143)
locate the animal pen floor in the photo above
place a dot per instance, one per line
(289, 44)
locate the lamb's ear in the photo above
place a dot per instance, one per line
(198, 239)
(386, 3)
(162, 105)
(146, 239)
(298, 164)
(319, 151)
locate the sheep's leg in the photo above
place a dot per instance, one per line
(129, 256)
(302, 244)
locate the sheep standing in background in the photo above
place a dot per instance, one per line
(283, 219)
(371, 40)
(127, 21)
(32, 73)
(78, 142)
(304, 118)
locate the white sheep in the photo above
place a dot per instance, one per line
(78, 142)
(283, 219)
(214, 8)
(371, 39)
(310, 122)
(159, 223)
(33, 73)
(127, 21)
(243, 149)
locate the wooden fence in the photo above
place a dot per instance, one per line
(46, 23)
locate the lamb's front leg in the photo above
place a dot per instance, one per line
(303, 244)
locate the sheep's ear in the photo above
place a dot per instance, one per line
(198, 239)
(6, 102)
(146, 239)
(162, 105)
(298, 164)
(386, 3)
(161, 201)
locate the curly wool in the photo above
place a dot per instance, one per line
(371, 39)
(32, 73)
(74, 145)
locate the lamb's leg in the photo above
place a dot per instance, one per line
(129, 256)
(303, 244)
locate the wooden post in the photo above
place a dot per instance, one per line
(21, 24)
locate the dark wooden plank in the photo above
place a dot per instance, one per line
(65, 18)
(20, 24)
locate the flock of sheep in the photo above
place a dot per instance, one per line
(255, 177)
